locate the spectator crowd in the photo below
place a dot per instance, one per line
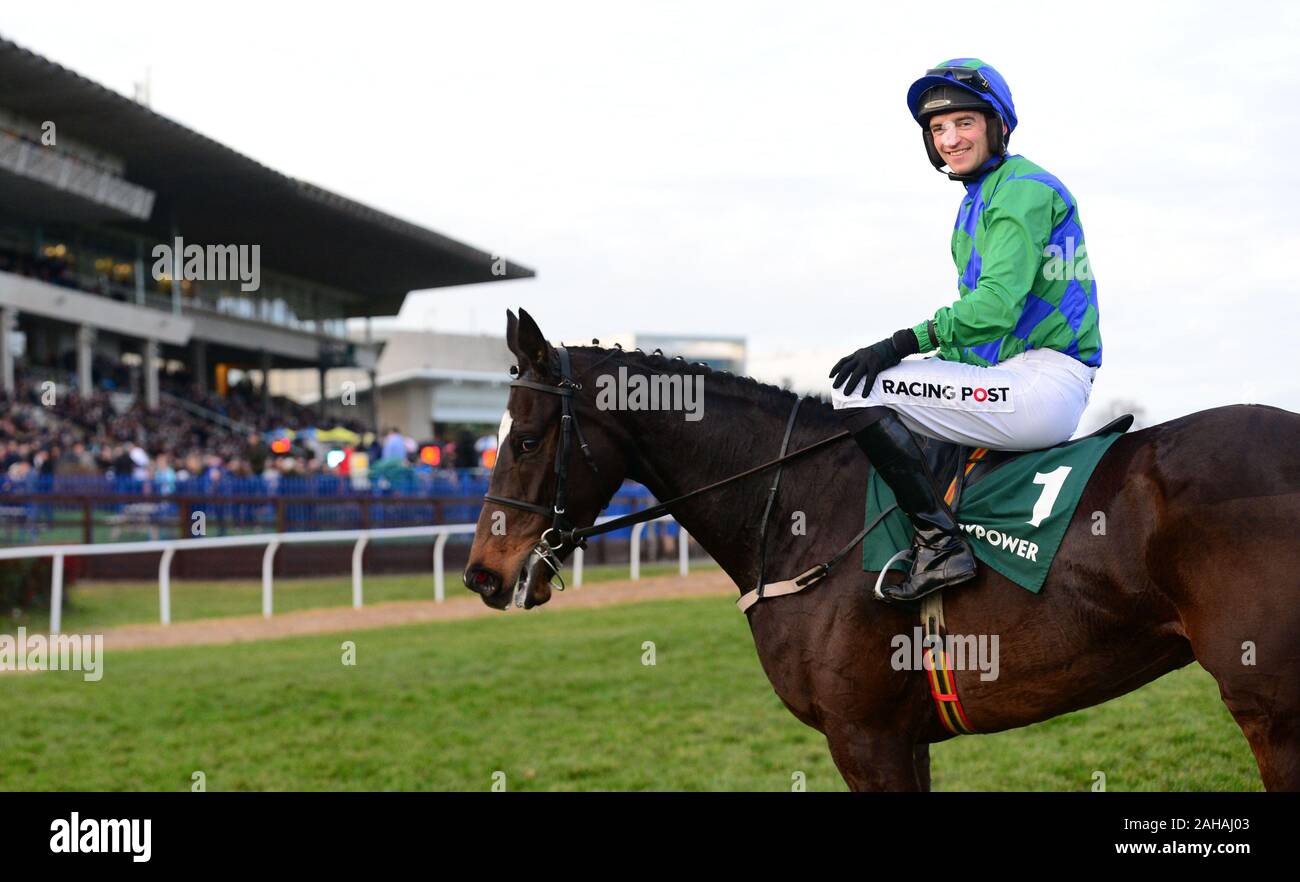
(54, 431)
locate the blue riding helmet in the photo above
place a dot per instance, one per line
(963, 83)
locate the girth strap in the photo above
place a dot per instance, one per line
(939, 670)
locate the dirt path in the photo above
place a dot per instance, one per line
(382, 615)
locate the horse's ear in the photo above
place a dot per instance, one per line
(532, 348)
(512, 332)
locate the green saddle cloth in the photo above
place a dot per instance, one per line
(1015, 516)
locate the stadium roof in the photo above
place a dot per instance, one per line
(215, 195)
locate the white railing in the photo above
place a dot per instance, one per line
(634, 552)
(273, 541)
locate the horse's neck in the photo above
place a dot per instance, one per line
(727, 522)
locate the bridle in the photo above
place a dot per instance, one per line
(563, 530)
(563, 533)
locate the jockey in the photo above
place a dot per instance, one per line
(1015, 356)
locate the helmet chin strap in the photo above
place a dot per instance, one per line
(988, 166)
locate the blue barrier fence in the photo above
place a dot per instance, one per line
(95, 508)
(411, 482)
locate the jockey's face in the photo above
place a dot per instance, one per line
(961, 137)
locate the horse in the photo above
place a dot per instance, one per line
(1198, 558)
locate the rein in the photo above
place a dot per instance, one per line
(566, 534)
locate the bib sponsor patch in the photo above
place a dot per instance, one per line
(923, 392)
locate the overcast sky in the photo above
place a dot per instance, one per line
(751, 168)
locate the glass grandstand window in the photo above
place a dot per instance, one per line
(17, 248)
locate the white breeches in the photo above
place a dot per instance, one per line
(1027, 402)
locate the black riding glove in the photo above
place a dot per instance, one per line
(868, 362)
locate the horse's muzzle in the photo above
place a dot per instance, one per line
(531, 586)
(489, 585)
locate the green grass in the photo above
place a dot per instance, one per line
(1173, 734)
(556, 701)
(92, 606)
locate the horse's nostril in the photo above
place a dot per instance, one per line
(482, 580)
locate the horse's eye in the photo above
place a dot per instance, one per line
(528, 445)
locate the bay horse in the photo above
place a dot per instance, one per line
(1198, 558)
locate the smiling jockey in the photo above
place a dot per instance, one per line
(1015, 355)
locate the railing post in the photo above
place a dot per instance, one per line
(634, 551)
(577, 567)
(683, 552)
(279, 515)
(357, 553)
(439, 588)
(165, 585)
(268, 569)
(56, 595)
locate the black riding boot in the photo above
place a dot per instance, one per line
(941, 555)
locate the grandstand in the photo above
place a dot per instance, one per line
(136, 389)
(118, 364)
